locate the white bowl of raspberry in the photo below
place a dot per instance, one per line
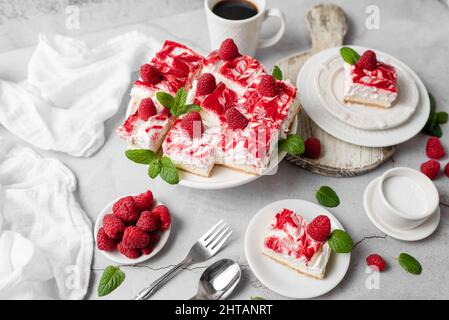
(132, 229)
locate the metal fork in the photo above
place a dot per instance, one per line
(205, 248)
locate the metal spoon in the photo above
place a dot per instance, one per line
(218, 280)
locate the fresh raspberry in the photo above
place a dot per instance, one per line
(154, 238)
(375, 262)
(104, 242)
(113, 226)
(267, 86)
(312, 148)
(206, 84)
(147, 221)
(150, 74)
(146, 109)
(434, 148)
(164, 217)
(147, 250)
(368, 60)
(135, 238)
(144, 201)
(192, 123)
(235, 119)
(228, 50)
(446, 170)
(320, 228)
(431, 168)
(129, 252)
(126, 209)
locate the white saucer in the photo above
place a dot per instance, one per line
(314, 108)
(424, 230)
(329, 80)
(280, 278)
(115, 255)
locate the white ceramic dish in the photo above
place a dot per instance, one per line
(329, 82)
(117, 256)
(282, 279)
(223, 177)
(370, 138)
(371, 204)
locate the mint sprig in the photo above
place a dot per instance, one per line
(340, 241)
(327, 197)
(277, 73)
(293, 144)
(432, 126)
(162, 167)
(176, 104)
(256, 298)
(111, 279)
(349, 55)
(409, 263)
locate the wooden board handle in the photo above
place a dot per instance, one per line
(328, 26)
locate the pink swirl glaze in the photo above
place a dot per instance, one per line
(383, 77)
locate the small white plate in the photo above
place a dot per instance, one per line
(329, 82)
(282, 279)
(369, 138)
(424, 230)
(116, 256)
(223, 177)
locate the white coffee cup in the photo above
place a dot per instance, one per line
(405, 198)
(245, 33)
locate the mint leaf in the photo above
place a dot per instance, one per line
(154, 169)
(433, 103)
(181, 97)
(165, 99)
(293, 144)
(327, 197)
(349, 55)
(142, 156)
(409, 263)
(110, 280)
(340, 242)
(442, 117)
(256, 298)
(169, 173)
(277, 73)
(190, 108)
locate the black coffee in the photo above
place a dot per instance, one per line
(235, 9)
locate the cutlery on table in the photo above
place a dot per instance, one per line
(203, 249)
(218, 280)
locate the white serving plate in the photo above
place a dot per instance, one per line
(279, 278)
(313, 106)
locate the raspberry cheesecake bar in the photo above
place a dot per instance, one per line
(292, 242)
(369, 81)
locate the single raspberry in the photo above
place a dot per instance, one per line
(154, 238)
(129, 252)
(320, 228)
(434, 148)
(144, 201)
(150, 74)
(104, 242)
(135, 238)
(267, 86)
(368, 60)
(113, 226)
(375, 262)
(126, 209)
(147, 221)
(235, 119)
(446, 170)
(206, 84)
(431, 168)
(146, 109)
(312, 148)
(147, 250)
(163, 215)
(193, 124)
(228, 50)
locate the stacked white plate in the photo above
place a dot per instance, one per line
(320, 86)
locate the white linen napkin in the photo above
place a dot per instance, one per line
(46, 242)
(71, 90)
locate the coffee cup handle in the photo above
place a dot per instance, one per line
(264, 43)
